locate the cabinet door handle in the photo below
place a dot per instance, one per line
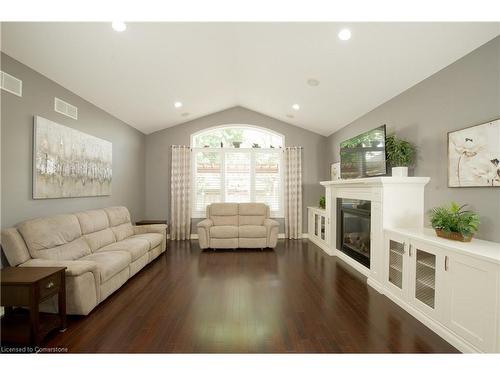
(410, 250)
(446, 263)
(49, 285)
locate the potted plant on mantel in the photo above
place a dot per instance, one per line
(454, 222)
(400, 155)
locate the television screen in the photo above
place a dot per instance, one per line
(363, 155)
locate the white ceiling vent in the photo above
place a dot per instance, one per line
(65, 108)
(11, 84)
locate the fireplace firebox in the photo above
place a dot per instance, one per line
(353, 229)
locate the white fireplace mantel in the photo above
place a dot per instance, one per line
(395, 202)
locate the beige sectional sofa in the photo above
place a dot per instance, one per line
(100, 248)
(237, 225)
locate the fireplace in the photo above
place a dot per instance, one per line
(353, 229)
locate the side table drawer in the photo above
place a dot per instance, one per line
(50, 285)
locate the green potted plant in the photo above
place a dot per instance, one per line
(322, 202)
(454, 222)
(400, 155)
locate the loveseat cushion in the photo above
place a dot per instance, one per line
(109, 263)
(252, 213)
(137, 247)
(252, 231)
(224, 231)
(154, 239)
(92, 221)
(223, 213)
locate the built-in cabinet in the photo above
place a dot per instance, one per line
(457, 291)
(318, 223)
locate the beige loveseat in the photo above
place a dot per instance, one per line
(237, 225)
(100, 248)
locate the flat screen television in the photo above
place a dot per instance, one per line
(364, 155)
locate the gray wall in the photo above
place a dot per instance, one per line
(463, 94)
(158, 156)
(17, 136)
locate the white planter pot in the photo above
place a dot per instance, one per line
(399, 171)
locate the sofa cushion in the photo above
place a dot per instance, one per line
(154, 239)
(137, 247)
(14, 247)
(223, 213)
(93, 221)
(252, 231)
(49, 233)
(117, 215)
(252, 213)
(100, 239)
(109, 263)
(69, 251)
(224, 231)
(123, 231)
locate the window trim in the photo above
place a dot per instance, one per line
(252, 152)
(237, 126)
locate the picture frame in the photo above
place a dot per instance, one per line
(335, 171)
(474, 156)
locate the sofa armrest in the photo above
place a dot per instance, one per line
(73, 267)
(204, 233)
(272, 228)
(153, 228)
(150, 228)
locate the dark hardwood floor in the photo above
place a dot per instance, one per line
(292, 300)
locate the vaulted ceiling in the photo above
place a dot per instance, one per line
(138, 74)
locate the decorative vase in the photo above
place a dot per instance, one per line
(236, 144)
(399, 171)
(455, 236)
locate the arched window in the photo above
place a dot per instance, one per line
(237, 163)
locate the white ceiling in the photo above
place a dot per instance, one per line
(138, 74)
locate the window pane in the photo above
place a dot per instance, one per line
(207, 179)
(237, 176)
(246, 136)
(267, 179)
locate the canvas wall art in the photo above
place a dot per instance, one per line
(68, 163)
(474, 156)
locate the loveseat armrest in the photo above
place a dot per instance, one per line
(204, 233)
(272, 228)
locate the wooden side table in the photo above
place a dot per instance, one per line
(28, 287)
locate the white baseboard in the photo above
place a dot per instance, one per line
(194, 236)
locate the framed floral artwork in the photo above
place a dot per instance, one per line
(474, 156)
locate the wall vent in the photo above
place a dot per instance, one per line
(66, 109)
(11, 84)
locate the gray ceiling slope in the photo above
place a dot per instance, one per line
(138, 74)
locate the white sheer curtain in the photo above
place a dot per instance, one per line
(293, 192)
(180, 193)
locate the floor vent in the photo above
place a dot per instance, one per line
(11, 84)
(66, 109)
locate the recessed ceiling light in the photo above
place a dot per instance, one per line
(344, 34)
(296, 107)
(118, 26)
(313, 82)
(289, 115)
(178, 104)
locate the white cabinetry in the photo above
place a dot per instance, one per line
(453, 287)
(318, 226)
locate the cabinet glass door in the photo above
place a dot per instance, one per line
(323, 228)
(425, 278)
(396, 253)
